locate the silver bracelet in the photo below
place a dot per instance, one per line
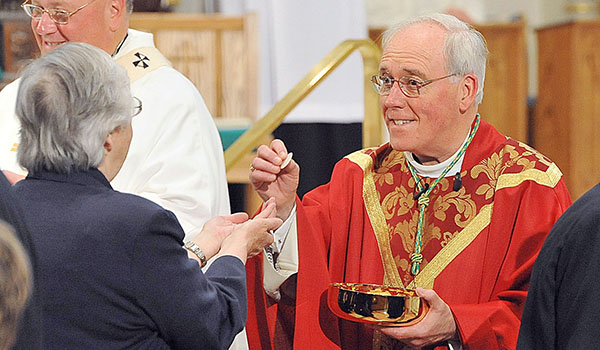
(193, 247)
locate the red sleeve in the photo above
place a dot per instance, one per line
(324, 227)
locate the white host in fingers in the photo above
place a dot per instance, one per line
(287, 160)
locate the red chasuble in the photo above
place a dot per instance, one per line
(479, 245)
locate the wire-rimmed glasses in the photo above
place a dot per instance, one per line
(409, 85)
(58, 16)
(137, 107)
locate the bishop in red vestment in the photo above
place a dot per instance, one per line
(449, 205)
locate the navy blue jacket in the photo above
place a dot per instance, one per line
(29, 336)
(113, 273)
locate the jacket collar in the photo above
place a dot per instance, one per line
(91, 177)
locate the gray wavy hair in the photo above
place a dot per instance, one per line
(465, 48)
(68, 102)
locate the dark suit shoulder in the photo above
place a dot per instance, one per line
(146, 215)
(125, 201)
(93, 207)
(583, 215)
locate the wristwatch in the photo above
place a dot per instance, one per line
(193, 247)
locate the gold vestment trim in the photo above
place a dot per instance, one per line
(549, 178)
(456, 245)
(446, 255)
(378, 222)
(426, 278)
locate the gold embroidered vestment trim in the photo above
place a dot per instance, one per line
(446, 255)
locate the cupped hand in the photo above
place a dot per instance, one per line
(221, 226)
(259, 234)
(249, 239)
(216, 230)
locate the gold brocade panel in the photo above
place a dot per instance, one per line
(453, 219)
(450, 212)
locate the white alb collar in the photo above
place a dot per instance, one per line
(434, 171)
(135, 39)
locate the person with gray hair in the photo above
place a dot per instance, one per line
(112, 267)
(176, 156)
(464, 48)
(15, 284)
(47, 110)
(448, 207)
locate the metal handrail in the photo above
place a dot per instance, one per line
(372, 125)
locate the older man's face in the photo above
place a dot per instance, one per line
(424, 125)
(89, 25)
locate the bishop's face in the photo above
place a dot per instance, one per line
(425, 125)
(92, 24)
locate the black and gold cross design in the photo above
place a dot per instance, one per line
(142, 60)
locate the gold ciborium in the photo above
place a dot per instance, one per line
(376, 304)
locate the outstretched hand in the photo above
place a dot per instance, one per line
(249, 239)
(216, 230)
(437, 327)
(270, 181)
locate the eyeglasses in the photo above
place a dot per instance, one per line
(137, 108)
(58, 16)
(409, 85)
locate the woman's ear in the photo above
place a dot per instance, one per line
(108, 143)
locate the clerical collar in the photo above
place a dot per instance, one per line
(436, 170)
(120, 45)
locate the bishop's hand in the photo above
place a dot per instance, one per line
(270, 180)
(437, 327)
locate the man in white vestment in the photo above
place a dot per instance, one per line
(176, 156)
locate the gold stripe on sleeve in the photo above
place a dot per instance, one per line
(378, 222)
(549, 178)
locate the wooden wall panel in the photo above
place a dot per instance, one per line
(234, 77)
(193, 54)
(567, 121)
(505, 90)
(217, 53)
(555, 65)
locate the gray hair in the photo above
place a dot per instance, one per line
(68, 102)
(130, 6)
(464, 48)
